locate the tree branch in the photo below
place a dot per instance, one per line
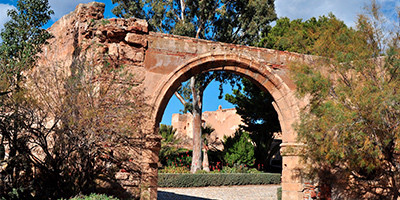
(181, 99)
(183, 7)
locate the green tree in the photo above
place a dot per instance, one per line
(298, 35)
(306, 37)
(168, 142)
(168, 134)
(56, 129)
(206, 132)
(238, 149)
(241, 22)
(22, 38)
(351, 125)
(170, 152)
(259, 117)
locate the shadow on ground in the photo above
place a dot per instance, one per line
(173, 196)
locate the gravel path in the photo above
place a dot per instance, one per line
(248, 192)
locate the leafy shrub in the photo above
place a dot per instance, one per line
(174, 170)
(279, 193)
(181, 157)
(239, 149)
(201, 172)
(239, 169)
(217, 179)
(94, 197)
(253, 171)
(170, 155)
(236, 168)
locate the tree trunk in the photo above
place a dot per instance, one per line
(196, 123)
(183, 7)
(326, 192)
(205, 160)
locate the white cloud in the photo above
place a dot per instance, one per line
(63, 7)
(3, 14)
(346, 10)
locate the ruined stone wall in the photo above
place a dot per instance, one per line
(159, 63)
(106, 45)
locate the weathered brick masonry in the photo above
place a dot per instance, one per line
(163, 61)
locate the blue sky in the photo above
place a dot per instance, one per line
(346, 10)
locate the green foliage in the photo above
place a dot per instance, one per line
(22, 38)
(201, 82)
(177, 158)
(217, 179)
(175, 170)
(239, 149)
(168, 134)
(351, 126)
(259, 117)
(221, 20)
(170, 154)
(238, 168)
(56, 128)
(94, 197)
(243, 22)
(205, 133)
(301, 36)
(201, 172)
(279, 193)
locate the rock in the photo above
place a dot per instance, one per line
(122, 175)
(138, 26)
(136, 39)
(113, 50)
(93, 10)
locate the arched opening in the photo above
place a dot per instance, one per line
(263, 75)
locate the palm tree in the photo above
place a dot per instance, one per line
(168, 142)
(206, 132)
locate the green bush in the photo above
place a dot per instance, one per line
(236, 168)
(201, 172)
(239, 149)
(174, 170)
(253, 171)
(170, 154)
(217, 179)
(279, 193)
(94, 197)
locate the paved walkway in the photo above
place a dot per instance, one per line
(248, 192)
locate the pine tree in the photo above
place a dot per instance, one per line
(351, 125)
(259, 117)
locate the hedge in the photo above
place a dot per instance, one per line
(279, 193)
(92, 197)
(219, 179)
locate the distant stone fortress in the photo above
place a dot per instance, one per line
(224, 121)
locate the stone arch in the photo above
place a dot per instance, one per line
(263, 75)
